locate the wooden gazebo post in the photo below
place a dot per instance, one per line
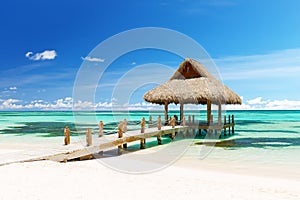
(219, 114)
(181, 112)
(208, 111)
(166, 113)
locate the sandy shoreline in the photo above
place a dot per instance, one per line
(188, 178)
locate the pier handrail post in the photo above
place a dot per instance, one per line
(159, 123)
(143, 124)
(120, 135)
(124, 131)
(89, 138)
(124, 126)
(150, 121)
(101, 125)
(172, 122)
(143, 140)
(159, 128)
(67, 135)
(120, 129)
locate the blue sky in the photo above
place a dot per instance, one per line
(255, 45)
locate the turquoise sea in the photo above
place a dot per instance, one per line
(265, 137)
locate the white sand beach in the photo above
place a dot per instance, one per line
(188, 178)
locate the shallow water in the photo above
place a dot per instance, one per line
(265, 137)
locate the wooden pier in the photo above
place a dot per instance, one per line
(97, 143)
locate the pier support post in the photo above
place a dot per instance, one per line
(100, 128)
(67, 135)
(158, 123)
(143, 141)
(225, 125)
(89, 137)
(229, 124)
(189, 124)
(210, 131)
(219, 131)
(159, 139)
(150, 122)
(232, 118)
(193, 121)
(183, 124)
(173, 135)
(120, 135)
(124, 131)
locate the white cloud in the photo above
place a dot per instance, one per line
(28, 54)
(13, 88)
(45, 55)
(257, 100)
(10, 104)
(68, 103)
(92, 59)
(260, 104)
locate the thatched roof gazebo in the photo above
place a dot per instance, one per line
(192, 84)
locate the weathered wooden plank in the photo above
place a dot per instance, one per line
(64, 153)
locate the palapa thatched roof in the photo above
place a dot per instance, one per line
(193, 84)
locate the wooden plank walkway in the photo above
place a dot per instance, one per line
(63, 153)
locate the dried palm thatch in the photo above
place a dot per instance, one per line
(192, 84)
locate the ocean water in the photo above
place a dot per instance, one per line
(265, 137)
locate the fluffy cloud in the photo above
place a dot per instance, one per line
(10, 104)
(69, 104)
(257, 100)
(260, 104)
(46, 55)
(14, 88)
(92, 59)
